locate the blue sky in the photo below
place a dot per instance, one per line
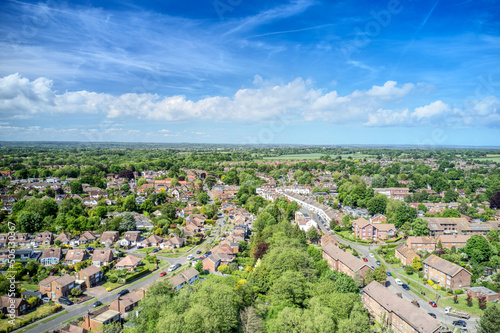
(236, 71)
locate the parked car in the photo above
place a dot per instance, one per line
(123, 292)
(432, 315)
(405, 286)
(139, 247)
(198, 252)
(378, 263)
(96, 304)
(389, 274)
(365, 260)
(162, 274)
(65, 300)
(171, 268)
(155, 250)
(90, 249)
(371, 255)
(46, 299)
(433, 304)
(373, 267)
(189, 257)
(398, 281)
(460, 323)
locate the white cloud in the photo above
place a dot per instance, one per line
(436, 108)
(296, 100)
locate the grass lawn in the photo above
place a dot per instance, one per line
(462, 305)
(349, 236)
(27, 286)
(111, 285)
(42, 311)
(490, 157)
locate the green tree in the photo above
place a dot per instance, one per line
(76, 187)
(199, 266)
(128, 222)
(490, 320)
(312, 234)
(493, 235)
(203, 198)
(416, 264)
(251, 322)
(377, 205)
(30, 222)
(129, 204)
(420, 227)
(477, 248)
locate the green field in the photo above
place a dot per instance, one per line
(313, 156)
(490, 157)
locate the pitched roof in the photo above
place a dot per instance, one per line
(176, 280)
(405, 250)
(454, 238)
(361, 222)
(346, 258)
(128, 261)
(190, 273)
(51, 253)
(102, 255)
(64, 280)
(421, 239)
(444, 265)
(91, 270)
(416, 318)
(78, 254)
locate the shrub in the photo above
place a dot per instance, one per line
(459, 292)
(430, 282)
(112, 278)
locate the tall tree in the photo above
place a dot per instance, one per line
(490, 320)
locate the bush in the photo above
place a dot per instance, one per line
(430, 282)
(112, 278)
(459, 292)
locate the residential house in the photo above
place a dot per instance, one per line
(226, 247)
(190, 275)
(129, 262)
(125, 303)
(64, 238)
(51, 256)
(405, 254)
(75, 255)
(476, 292)
(90, 276)
(27, 294)
(366, 230)
(130, 238)
(177, 282)
(344, 262)
(16, 240)
(173, 242)
(379, 218)
(108, 238)
(153, 241)
(57, 286)
(72, 328)
(102, 257)
(445, 273)
(421, 243)
(85, 238)
(45, 238)
(396, 313)
(213, 261)
(16, 306)
(448, 241)
(99, 318)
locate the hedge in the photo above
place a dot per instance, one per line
(393, 240)
(138, 275)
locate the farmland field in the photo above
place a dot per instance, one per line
(312, 156)
(490, 157)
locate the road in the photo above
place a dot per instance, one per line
(365, 250)
(79, 310)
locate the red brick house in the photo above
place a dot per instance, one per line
(344, 262)
(405, 254)
(445, 273)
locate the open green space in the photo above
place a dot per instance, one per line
(474, 310)
(27, 286)
(41, 312)
(313, 156)
(490, 157)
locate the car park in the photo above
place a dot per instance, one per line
(123, 292)
(433, 304)
(398, 281)
(96, 304)
(432, 315)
